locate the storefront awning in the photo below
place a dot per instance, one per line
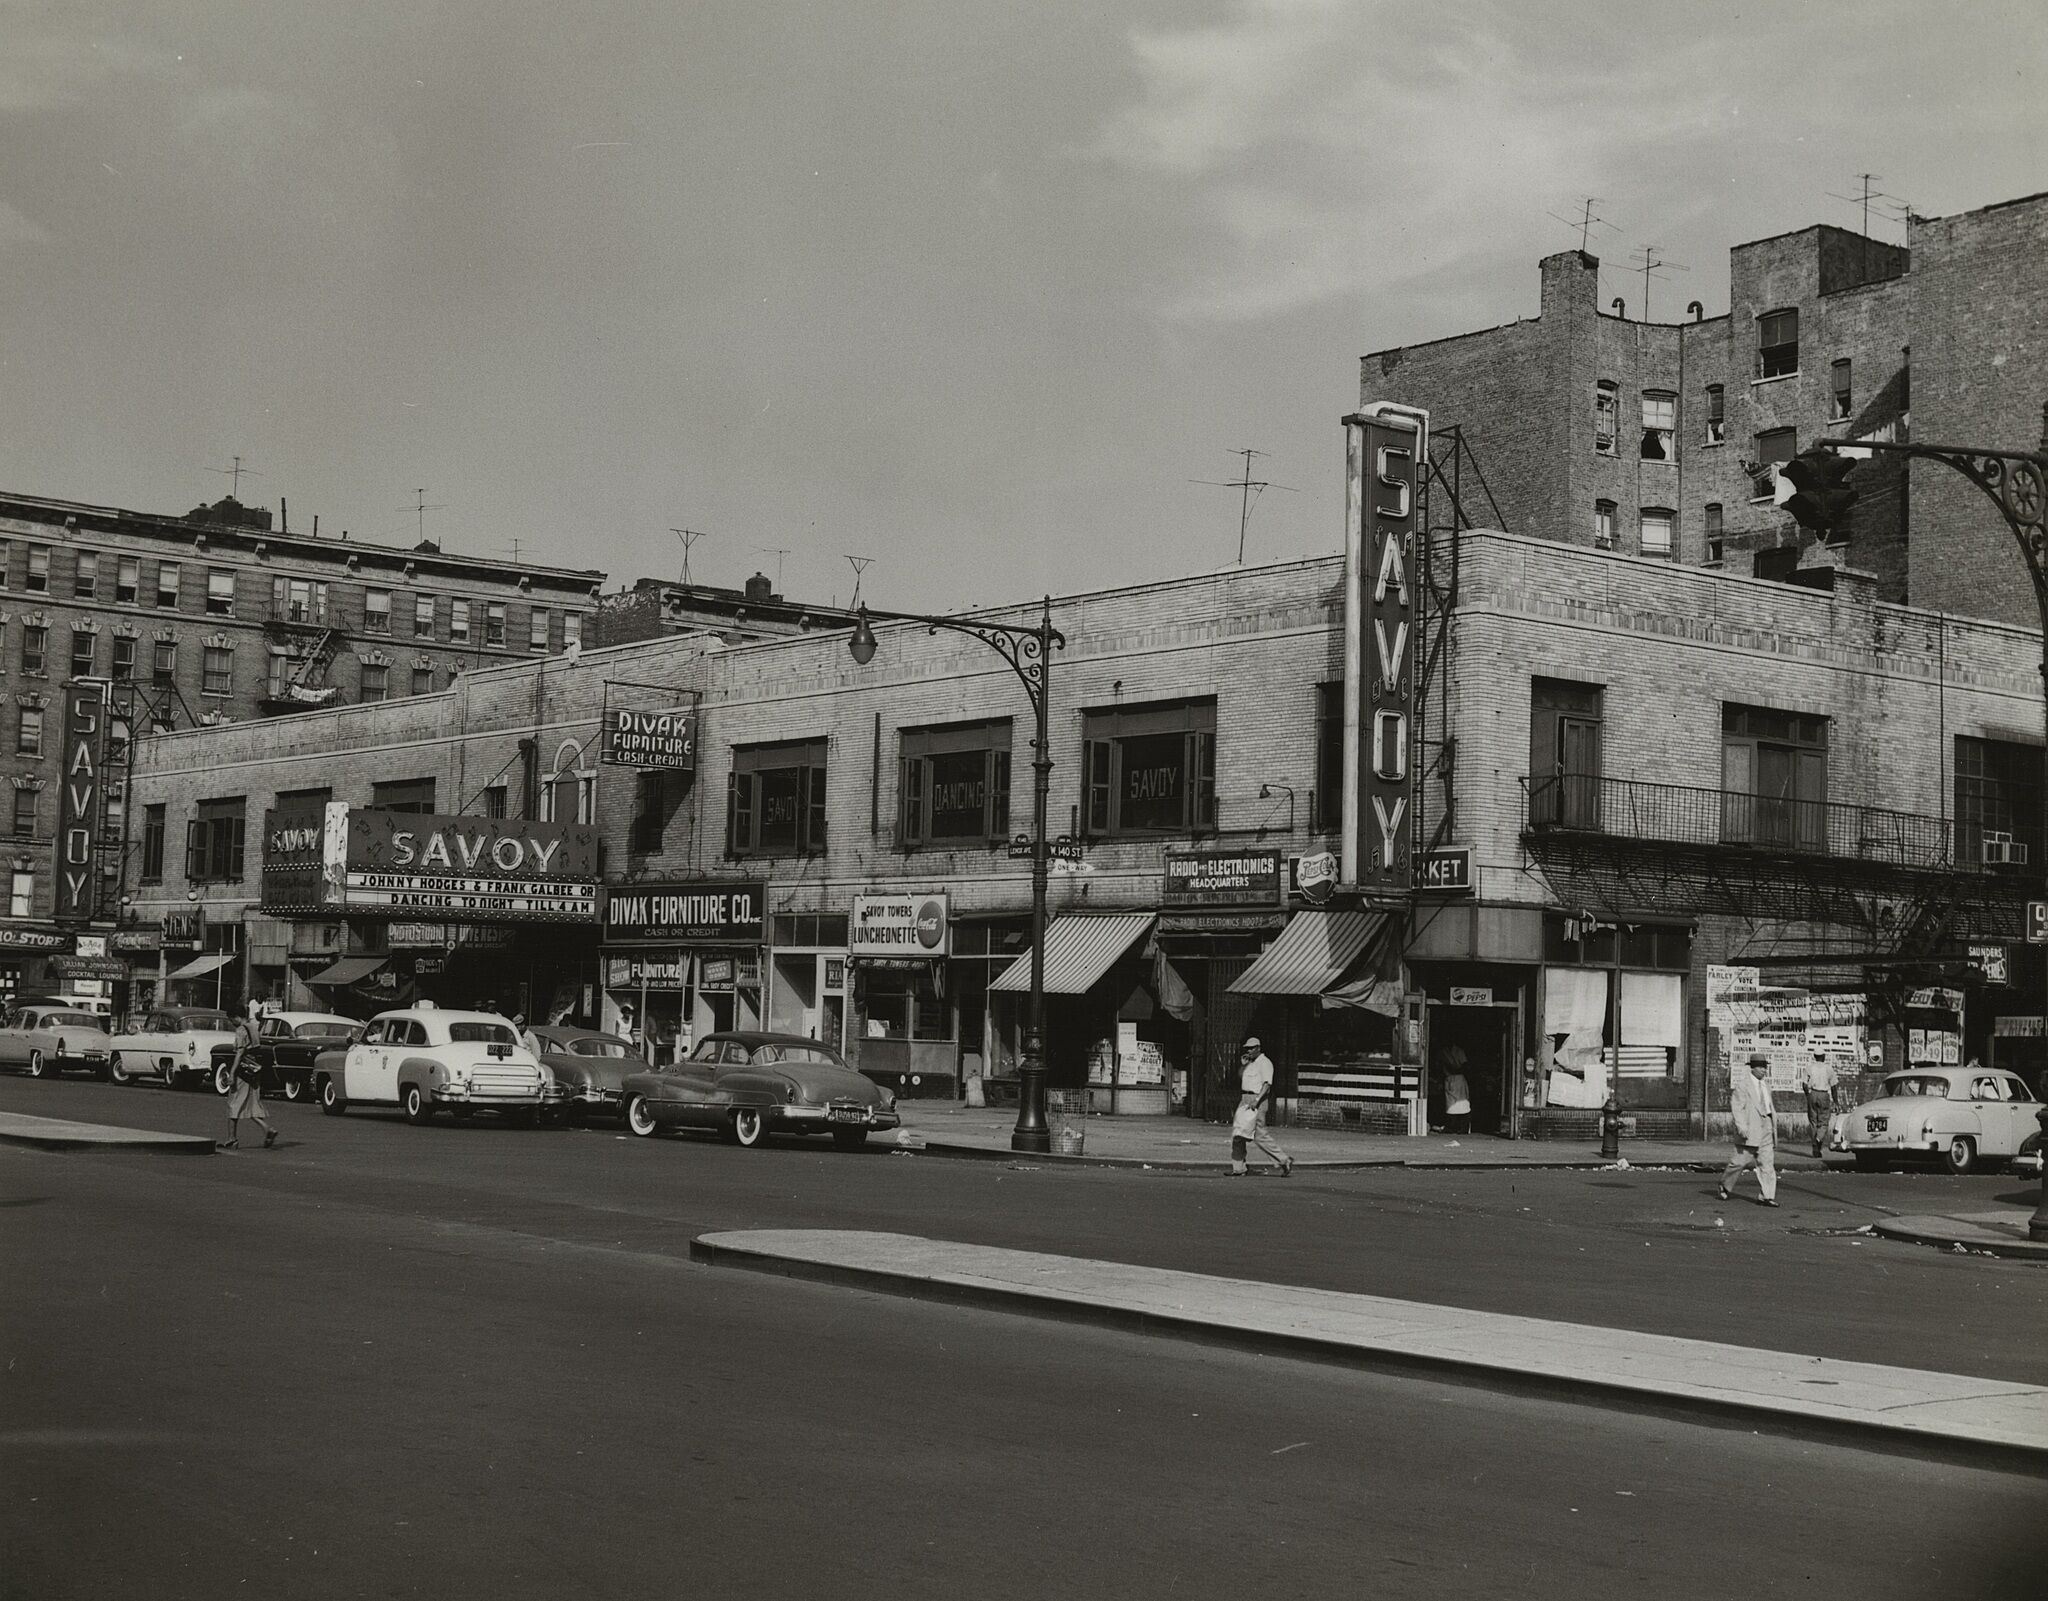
(1079, 949)
(1313, 952)
(200, 966)
(349, 970)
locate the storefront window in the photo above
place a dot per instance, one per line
(1609, 1020)
(955, 783)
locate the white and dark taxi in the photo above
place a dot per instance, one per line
(424, 1060)
(1961, 1117)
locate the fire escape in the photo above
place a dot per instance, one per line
(303, 646)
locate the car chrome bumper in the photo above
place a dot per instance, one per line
(822, 1116)
(463, 1095)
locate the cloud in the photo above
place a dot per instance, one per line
(51, 59)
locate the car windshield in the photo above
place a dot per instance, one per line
(600, 1047)
(481, 1034)
(1917, 1084)
(335, 1029)
(799, 1053)
(70, 1020)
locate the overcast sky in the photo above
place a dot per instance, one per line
(971, 288)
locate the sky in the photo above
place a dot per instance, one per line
(981, 291)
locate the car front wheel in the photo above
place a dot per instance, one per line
(332, 1101)
(749, 1127)
(640, 1117)
(117, 1070)
(1961, 1154)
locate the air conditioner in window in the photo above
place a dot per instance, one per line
(2003, 850)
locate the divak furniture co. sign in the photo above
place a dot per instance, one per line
(721, 910)
(665, 739)
(465, 869)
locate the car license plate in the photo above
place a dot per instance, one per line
(848, 1114)
(1876, 1125)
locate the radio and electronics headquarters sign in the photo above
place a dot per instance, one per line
(1222, 878)
(665, 739)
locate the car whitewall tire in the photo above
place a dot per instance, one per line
(749, 1127)
(1960, 1154)
(639, 1119)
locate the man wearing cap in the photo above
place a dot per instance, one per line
(1756, 1130)
(1248, 1127)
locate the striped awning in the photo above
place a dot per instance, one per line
(1313, 952)
(200, 966)
(349, 970)
(1079, 949)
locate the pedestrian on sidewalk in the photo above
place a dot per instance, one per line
(1457, 1093)
(1248, 1127)
(246, 1100)
(1756, 1131)
(1817, 1079)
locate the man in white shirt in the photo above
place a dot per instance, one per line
(1817, 1078)
(1756, 1130)
(1248, 1127)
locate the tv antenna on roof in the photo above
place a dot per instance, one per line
(859, 564)
(778, 552)
(1585, 222)
(1651, 265)
(235, 475)
(1251, 489)
(421, 508)
(689, 537)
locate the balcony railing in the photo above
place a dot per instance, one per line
(1626, 808)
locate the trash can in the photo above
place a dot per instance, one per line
(1066, 1112)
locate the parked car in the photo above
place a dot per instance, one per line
(421, 1059)
(287, 1043)
(48, 1037)
(177, 1044)
(748, 1085)
(590, 1069)
(1960, 1116)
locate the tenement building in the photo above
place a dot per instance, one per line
(115, 624)
(1657, 439)
(1673, 815)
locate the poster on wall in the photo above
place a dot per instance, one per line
(1795, 1028)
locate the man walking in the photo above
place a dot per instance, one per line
(247, 1097)
(1248, 1127)
(1817, 1078)
(1756, 1130)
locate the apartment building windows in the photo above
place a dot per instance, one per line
(163, 666)
(775, 799)
(127, 580)
(1564, 754)
(494, 800)
(1717, 415)
(38, 570)
(299, 600)
(1843, 402)
(955, 784)
(21, 892)
(1774, 447)
(1657, 525)
(537, 628)
(1714, 533)
(214, 841)
(458, 621)
(124, 659)
(28, 732)
(153, 844)
(494, 622)
(1777, 343)
(6, 561)
(217, 670)
(1774, 777)
(569, 797)
(423, 616)
(1603, 525)
(85, 581)
(1606, 417)
(220, 592)
(84, 647)
(120, 735)
(1150, 769)
(168, 579)
(27, 803)
(376, 611)
(1660, 425)
(423, 680)
(1998, 805)
(35, 650)
(656, 796)
(572, 630)
(404, 795)
(376, 682)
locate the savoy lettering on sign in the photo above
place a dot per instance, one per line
(459, 869)
(78, 806)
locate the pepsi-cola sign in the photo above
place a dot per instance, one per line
(901, 925)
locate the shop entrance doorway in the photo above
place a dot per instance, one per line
(1486, 1037)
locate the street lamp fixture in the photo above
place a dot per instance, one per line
(1028, 650)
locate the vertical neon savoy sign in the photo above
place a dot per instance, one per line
(79, 806)
(1385, 447)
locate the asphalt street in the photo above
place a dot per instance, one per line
(383, 1361)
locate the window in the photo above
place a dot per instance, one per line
(1660, 423)
(1326, 805)
(1606, 417)
(494, 622)
(1603, 525)
(220, 592)
(299, 600)
(38, 570)
(21, 892)
(458, 620)
(1714, 533)
(6, 557)
(423, 616)
(127, 580)
(1657, 524)
(656, 795)
(28, 733)
(167, 580)
(217, 670)
(25, 808)
(775, 800)
(376, 611)
(35, 650)
(213, 841)
(115, 812)
(163, 667)
(1717, 415)
(493, 800)
(124, 659)
(84, 648)
(1150, 770)
(569, 796)
(423, 680)
(1564, 754)
(1774, 772)
(1998, 805)
(120, 734)
(537, 628)
(1777, 344)
(404, 795)
(955, 784)
(153, 844)
(572, 630)
(376, 682)
(85, 583)
(1773, 449)
(1843, 401)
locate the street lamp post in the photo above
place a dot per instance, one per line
(2017, 483)
(1028, 650)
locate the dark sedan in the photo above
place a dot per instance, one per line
(590, 1069)
(747, 1085)
(286, 1044)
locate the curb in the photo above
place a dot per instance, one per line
(56, 1135)
(1303, 1165)
(1610, 1393)
(1946, 1234)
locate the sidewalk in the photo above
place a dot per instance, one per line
(59, 1134)
(1862, 1403)
(1178, 1144)
(2000, 1233)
